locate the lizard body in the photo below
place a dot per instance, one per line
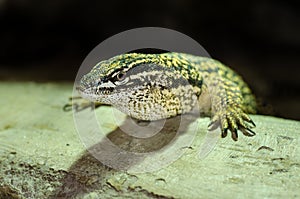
(157, 86)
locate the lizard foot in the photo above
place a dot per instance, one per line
(79, 104)
(234, 119)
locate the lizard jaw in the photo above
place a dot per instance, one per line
(96, 93)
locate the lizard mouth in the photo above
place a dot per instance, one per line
(96, 87)
(96, 95)
(96, 91)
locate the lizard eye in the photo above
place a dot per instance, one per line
(121, 76)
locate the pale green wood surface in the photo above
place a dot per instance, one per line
(41, 155)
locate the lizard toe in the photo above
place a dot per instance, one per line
(247, 132)
(246, 118)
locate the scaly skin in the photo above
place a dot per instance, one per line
(157, 86)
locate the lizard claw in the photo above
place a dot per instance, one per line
(213, 125)
(233, 119)
(248, 119)
(247, 132)
(234, 135)
(251, 122)
(224, 133)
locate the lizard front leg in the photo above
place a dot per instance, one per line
(228, 108)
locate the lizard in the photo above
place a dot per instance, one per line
(158, 86)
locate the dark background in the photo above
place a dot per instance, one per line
(47, 40)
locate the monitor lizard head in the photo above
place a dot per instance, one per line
(110, 78)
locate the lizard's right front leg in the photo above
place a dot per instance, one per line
(227, 109)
